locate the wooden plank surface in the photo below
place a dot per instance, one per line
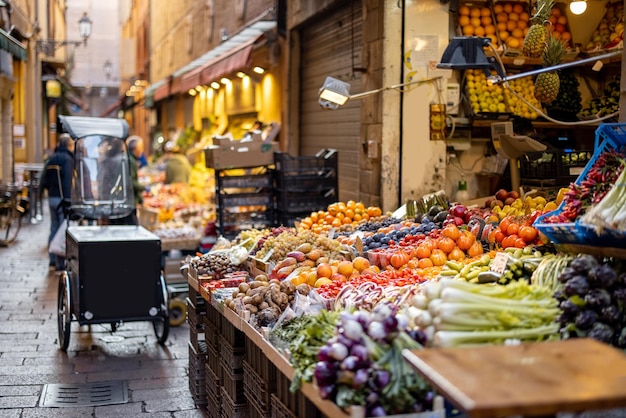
(528, 379)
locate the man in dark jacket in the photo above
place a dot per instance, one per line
(57, 179)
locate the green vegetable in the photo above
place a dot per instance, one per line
(458, 338)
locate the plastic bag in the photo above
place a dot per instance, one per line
(57, 245)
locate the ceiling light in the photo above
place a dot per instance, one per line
(199, 88)
(225, 81)
(258, 70)
(192, 92)
(241, 74)
(215, 85)
(578, 7)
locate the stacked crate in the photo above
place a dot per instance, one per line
(196, 312)
(244, 201)
(259, 381)
(213, 368)
(232, 353)
(304, 184)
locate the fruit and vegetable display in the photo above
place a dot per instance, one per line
(341, 300)
(605, 103)
(610, 30)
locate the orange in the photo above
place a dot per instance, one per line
(360, 263)
(345, 267)
(324, 270)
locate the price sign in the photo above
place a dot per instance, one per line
(499, 263)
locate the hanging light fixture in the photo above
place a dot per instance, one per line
(578, 7)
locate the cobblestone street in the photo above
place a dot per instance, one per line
(156, 376)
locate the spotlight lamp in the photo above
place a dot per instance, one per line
(335, 93)
(578, 7)
(215, 85)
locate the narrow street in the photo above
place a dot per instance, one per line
(155, 376)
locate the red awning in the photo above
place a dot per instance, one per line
(239, 59)
(162, 92)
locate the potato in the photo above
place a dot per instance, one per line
(256, 284)
(246, 300)
(263, 305)
(244, 287)
(253, 309)
(261, 278)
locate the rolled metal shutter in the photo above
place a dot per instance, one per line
(332, 46)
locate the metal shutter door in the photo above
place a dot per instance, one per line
(331, 47)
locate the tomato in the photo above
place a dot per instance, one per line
(499, 236)
(475, 250)
(438, 257)
(456, 254)
(504, 224)
(399, 259)
(528, 233)
(446, 244)
(424, 263)
(465, 241)
(451, 231)
(509, 241)
(512, 229)
(520, 243)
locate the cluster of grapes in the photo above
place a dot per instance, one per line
(593, 301)
(289, 240)
(373, 226)
(262, 238)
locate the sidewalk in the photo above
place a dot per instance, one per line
(30, 358)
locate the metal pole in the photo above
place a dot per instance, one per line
(498, 80)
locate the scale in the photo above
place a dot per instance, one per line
(511, 146)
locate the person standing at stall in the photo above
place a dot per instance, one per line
(177, 166)
(57, 179)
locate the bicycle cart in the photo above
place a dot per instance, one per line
(112, 272)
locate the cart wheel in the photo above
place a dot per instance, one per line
(64, 310)
(178, 312)
(162, 323)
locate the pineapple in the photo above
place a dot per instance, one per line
(547, 84)
(535, 39)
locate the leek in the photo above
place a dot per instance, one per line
(445, 339)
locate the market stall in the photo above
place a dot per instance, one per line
(315, 320)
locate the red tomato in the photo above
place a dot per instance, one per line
(528, 233)
(512, 229)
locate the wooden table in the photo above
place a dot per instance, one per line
(529, 379)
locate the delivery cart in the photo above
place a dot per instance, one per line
(112, 271)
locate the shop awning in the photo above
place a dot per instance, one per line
(213, 70)
(12, 46)
(229, 56)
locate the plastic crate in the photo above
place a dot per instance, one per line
(279, 409)
(256, 389)
(252, 180)
(610, 136)
(231, 409)
(214, 361)
(232, 357)
(234, 337)
(300, 202)
(318, 164)
(214, 317)
(213, 405)
(213, 383)
(211, 334)
(559, 167)
(306, 183)
(260, 363)
(246, 199)
(232, 382)
(254, 412)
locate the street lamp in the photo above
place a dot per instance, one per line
(48, 46)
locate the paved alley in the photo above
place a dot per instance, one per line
(156, 376)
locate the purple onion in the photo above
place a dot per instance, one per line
(360, 352)
(363, 318)
(345, 341)
(325, 373)
(391, 324)
(338, 351)
(350, 363)
(376, 330)
(361, 377)
(377, 411)
(324, 353)
(382, 378)
(352, 329)
(327, 391)
(372, 398)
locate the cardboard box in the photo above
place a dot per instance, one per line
(226, 153)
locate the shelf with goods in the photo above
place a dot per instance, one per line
(306, 292)
(245, 199)
(481, 107)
